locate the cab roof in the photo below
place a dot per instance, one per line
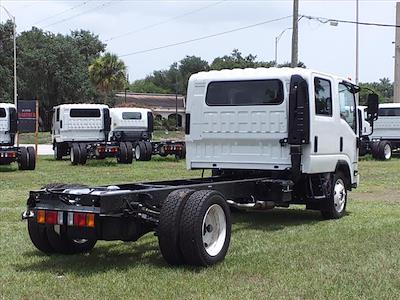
(7, 105)
(130, 109)
(82, 105)
(259, 73)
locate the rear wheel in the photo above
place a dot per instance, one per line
(123, 153)
(205, 228)
(61, 243)
(38, 236)
(168, 227)
(23, 161)
(337, 200)
(31, 158)
(83, 154)
(374, 150)
(149, 150)
(385, 150)
(140, 151)
(58, 151)
(129, 153)
(75, 154)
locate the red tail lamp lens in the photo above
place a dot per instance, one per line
(80, 219)
(51, 217)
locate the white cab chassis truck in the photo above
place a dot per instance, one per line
(272, 138)
(24, 156)
(384, 139)
(82, 131)
(135, 125)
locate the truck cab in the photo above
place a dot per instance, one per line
(8, 124)
(24, 156)
(281, 120)
(131, 124)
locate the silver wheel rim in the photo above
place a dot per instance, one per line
(55, 152)
(80, 241)
(339, 195)
(137, 152)
(387, 151)
(214, 230)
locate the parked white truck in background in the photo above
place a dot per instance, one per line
(272, 138)
(135, 125)
(384, 139)
(24, 156)
(82, 131)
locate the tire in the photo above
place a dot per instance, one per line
(38, 236)
(336, 206)
(149, 150)
(374, 150)
(123, 154)
(384, 150)
(140, 151)
(31, 158)
(169, 224)
(205, 212)
(61, 243)
(75, 154)
(58, 151)
(83, 154)
(23, 161)
(129, 154)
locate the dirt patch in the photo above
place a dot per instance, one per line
(387, 196)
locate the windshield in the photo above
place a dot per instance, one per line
(131, 115)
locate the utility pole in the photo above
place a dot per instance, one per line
(295, 34)
(357, 42)
(396, 97)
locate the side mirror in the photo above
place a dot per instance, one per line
(373, 106)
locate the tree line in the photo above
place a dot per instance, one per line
(75, 67)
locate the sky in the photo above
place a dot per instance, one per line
(131, 26)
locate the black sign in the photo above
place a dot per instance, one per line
(26, 116)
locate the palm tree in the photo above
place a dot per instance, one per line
(108, 73)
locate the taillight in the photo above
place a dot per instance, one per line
(52, 217)
(81, 219)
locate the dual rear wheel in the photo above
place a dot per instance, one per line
(194, 228)
(27, 158)
(143, 151)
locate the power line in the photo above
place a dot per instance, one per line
(61, 13)
(164, 22)
(326, 20)
(80, 14)
(205, 37)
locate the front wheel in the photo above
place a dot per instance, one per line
(337, 200)
(205, 228)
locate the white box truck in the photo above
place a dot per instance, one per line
(272, 137)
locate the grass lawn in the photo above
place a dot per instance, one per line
(279, 254)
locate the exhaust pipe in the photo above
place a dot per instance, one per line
(260, 205)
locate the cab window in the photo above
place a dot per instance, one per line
(323, 97)
(2, 112)
(347, 105)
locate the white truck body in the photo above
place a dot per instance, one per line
(78, 123)
(365, 126)
(129, 122)
(5, 137)
(242, 132)
(387, 127)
